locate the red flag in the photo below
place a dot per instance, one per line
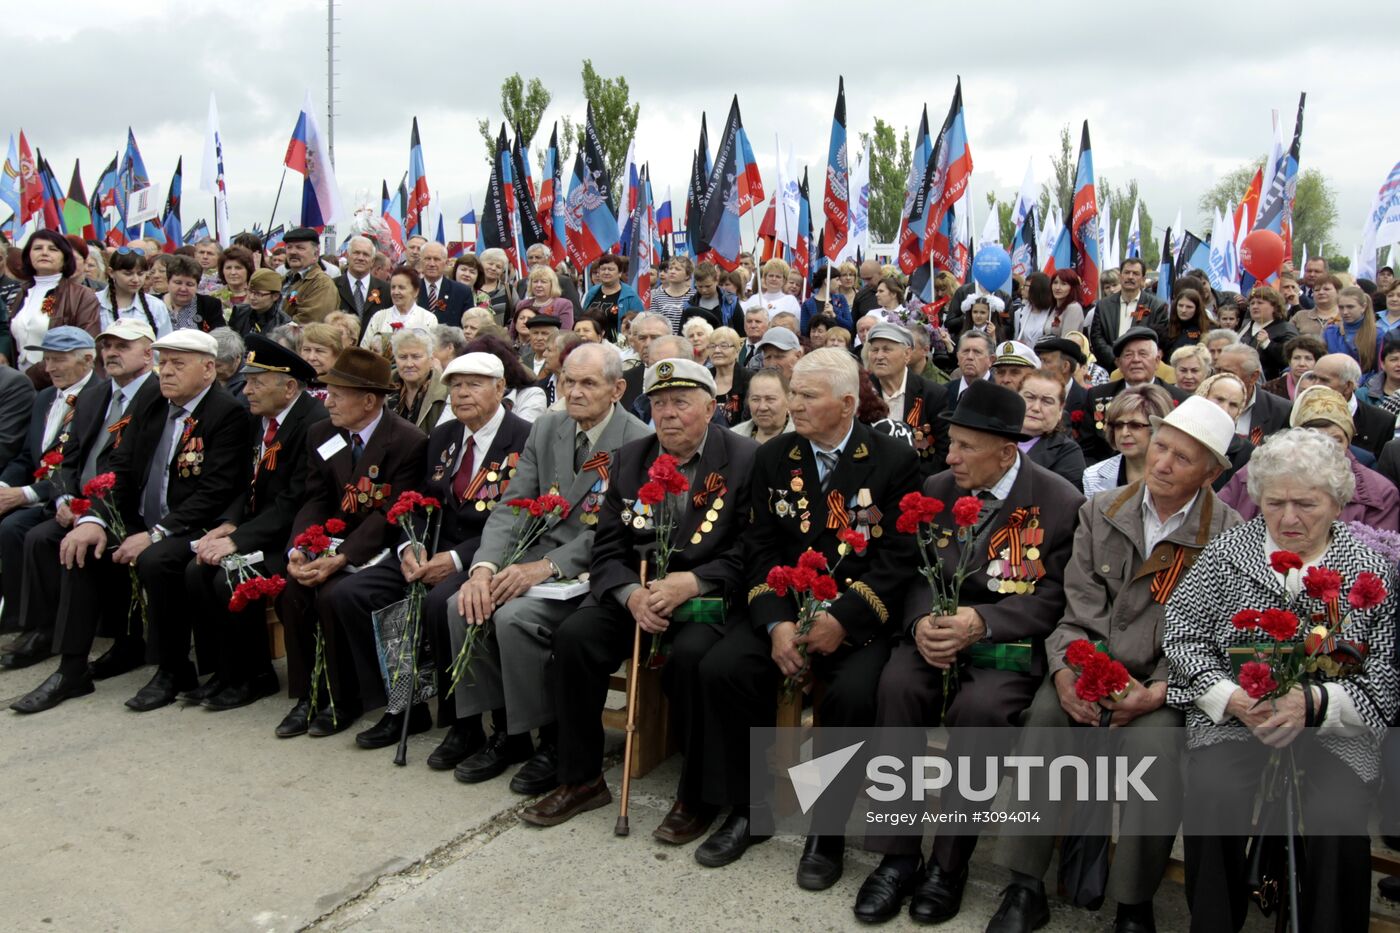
(1248, 207)
(31, 186)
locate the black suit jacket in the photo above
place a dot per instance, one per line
(716, 557)
(392, 462)
(453, 299)
(376, 297)
(1375, 427)
(263, 511)
(923, 401)
(1271, 357)
(1092, 426)
(89, 422)
(1104, 330)
(195, 502)
(208, 313)
(1269, 415)
(1059, 454)
(16, 405)
(462, 521)
(1009, 617)
(785, 470)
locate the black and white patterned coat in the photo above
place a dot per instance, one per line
(1233, 574)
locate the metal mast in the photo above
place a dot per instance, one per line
(329, 236)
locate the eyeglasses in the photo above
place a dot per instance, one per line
(126, 250)
(1128, 426)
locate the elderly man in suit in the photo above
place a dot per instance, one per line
(833, 475)
(571, 454)
(1130, 549)
(442, 296)
(308, 294)
(232, 644)
(911, 398)
(358, 462)
(708, 563)
(1115, 315)
(126, 357)
(1375, 427)
(468, 469)
(175, 470)
(16, 402)
(1136, 353)
(1264, 413)
(361, 293)
(27, 485)
(999, 605)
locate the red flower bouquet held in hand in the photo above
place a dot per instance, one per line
(97, 496)
(1100, 677)
(662, 513)
(814, 586)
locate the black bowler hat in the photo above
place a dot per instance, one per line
(542, 320)
(301, 235)
(1135, 333)
(992, 409)
(1061, 345)
(267, 356)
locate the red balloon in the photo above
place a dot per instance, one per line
(1261, 253)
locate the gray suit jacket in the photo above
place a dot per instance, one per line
(548, 460)
(16, 406)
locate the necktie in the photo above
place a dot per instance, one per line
(270, 434)
(580, 451)
(360, 295)
(357, 448)
(158, 476)
(827, 459)
(463, 479)
(432, 296)
(105, 439)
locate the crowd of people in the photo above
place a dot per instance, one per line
(175, 425)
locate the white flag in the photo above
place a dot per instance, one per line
(991, 229)
(211, 177)
(1176, 240)
(858, 229)
(1134, 250)
(789, 200)
(1382, 224)
(1026, 198)
(1106, 244)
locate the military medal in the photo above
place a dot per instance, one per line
(711, 516)
(695, 538)
(374, 471)
(1013, 554)
(796, 484)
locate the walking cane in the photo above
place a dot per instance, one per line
(621, 829)
(401, 754)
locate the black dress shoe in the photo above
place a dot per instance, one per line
(1389, 887)
(823, 860)
(28, 650)
(728, 843)
(296, 722)
(53, 691)
(124, 655)
(500, 752)
(460, 743)
(938, 897)
(540, 774)
(244, 694)
(1136, 918)
(204, 691)
(883, 892)
(387, 731)
(331, 720)
(1022, 909)
(160, 691)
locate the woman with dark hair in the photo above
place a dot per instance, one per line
(825, 300)
(125, 294)
(1050, 309)
(236, 268)
(523, 397)
(1188, 321)
(1268, 330)
(467, 270)
(52, 295)
(403, 314)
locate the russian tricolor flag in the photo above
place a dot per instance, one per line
(307, 153)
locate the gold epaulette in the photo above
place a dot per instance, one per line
(876, 604)
(759, 591)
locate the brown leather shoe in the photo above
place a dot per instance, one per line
(567, 801)
(684, 824)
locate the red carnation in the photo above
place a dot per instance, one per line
(664, 470)
(519, 503)
(100, 485)
(1247, 618)
(812, 560)
(779, 580)
(1284, 561)
(802, 578)
(651, 492)
(1079, 652)
(1257, 680)
(79, 507)
(335, 526)
(1279, 624)
(907, 523)
(924, 508)
(396, 325)
(853, 539)
(824, 588)
(966, 511)
(1367, 592)
(1076, 416)
(1323, 584)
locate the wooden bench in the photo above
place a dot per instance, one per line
(276, 643)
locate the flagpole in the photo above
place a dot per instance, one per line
(275, 201)
(216, 220)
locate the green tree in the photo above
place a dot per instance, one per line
(890, 160)
(523, 105)
(1314, 206)
(1061, 184)
(614, 118)
(1120, 202)
(1004, 229)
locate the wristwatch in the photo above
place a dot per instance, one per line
(157, 535)
(554, 573)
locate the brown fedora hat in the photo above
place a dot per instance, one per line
(358, 368)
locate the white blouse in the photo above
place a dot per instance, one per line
(528, 403)
(381, 326)
(159, 312)
(30, 323)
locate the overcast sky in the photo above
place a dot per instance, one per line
(1174, 96)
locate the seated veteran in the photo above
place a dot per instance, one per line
(469, 463)
(568, 453)
(1137, 353)
(174, 472)
(832, 476)
(1301, 480)
(358, 462)
(1132, 546)
(705, 526)
(993, 644)
(911, 399)
(230, 644)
